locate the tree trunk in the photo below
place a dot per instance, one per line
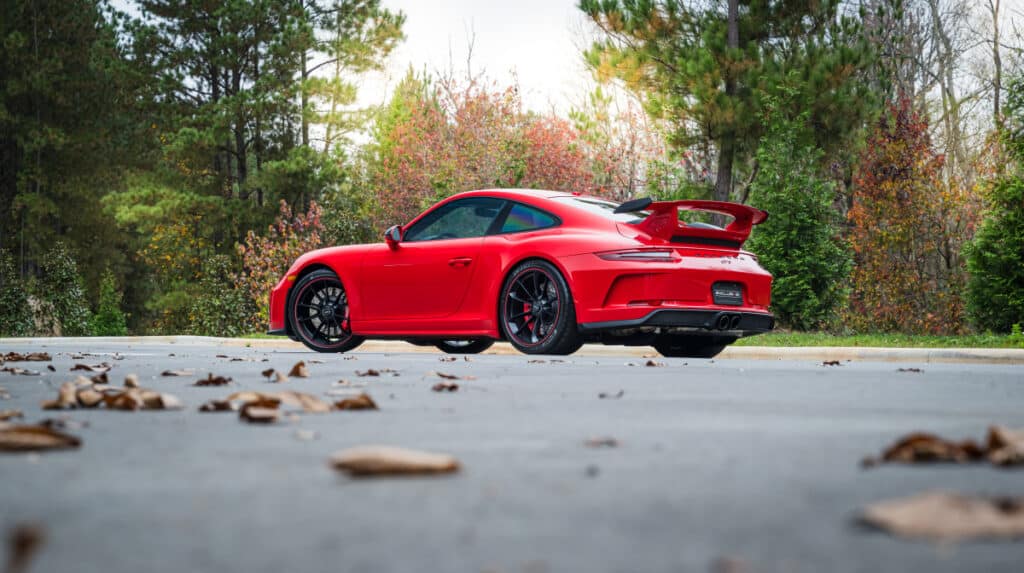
(726, 141)
(997, 76)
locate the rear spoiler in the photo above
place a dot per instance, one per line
(663, 221)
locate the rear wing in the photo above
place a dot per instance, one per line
(663, 221)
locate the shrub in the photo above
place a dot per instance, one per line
(995, 260)
(109, 320)
(220, 308)
(15, 312)
(799, 243)
(61, 289)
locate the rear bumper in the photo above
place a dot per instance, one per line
(725, 322)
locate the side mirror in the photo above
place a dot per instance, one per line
(393, 236)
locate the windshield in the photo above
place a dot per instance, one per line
(605, 209)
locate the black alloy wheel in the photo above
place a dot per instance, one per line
(318, 313)
(536, 310)
(468, 346)
(688, 346)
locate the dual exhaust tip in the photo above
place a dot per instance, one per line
(726, 321)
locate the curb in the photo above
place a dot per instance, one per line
(805, 353)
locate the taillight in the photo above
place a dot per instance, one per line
(641, 255)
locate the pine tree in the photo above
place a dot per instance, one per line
(62, 290)
(109, 319)
(15, 312)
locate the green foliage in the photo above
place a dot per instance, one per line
(219, 307)
(15, 312)
(995, 259)
(61, 288)
(109, 319)
(799, 243)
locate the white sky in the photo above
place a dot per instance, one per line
(537, 40)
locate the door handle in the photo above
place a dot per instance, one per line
(460, 262)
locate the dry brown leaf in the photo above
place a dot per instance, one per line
(653, 363)
(102, 367)
(6, 415)
(89, 398)
(444, 375)
(447, 359)
(217, 406)
(99, 378)
(830, 363)
(30, 357)
(20, 371)
(177, 373)
(1005, 446)
(445, 387)
(299, 370)
(915, 370)
(51, 368)
(388, 460)
(212, 380)
(602, 442)
(131, 381)
(946, 516)
(358, 402)
(268, 372)
(279, 377)
(308, 402)
(536, 361)
(34, 438)
(615, 396)
(350, 357)
(222, 356)
(23, 542)
(259, 414)
(368, 372)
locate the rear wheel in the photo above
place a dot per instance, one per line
(470, 346)
(319, 313)
(682, 346)
(536, 310)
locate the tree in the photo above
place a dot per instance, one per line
(706, 67)
(109, 319)
(995, 257)
(908, 228)
(61, 289)
(15, 312)
(799, 243)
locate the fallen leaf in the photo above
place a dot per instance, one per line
(654, 363)
(34, 438)
(307, 402)
(946, 516)
(536, 361)
(447, 376)
(51, 368)
(89, 398)
(99, 378)
(177, 373)
(268, 372)
(217, 406)
(445, 387)
(6, 415)
(350, 357)
(368, 372)
(1003, 447)
(279, 377)
(388, 460)
(467, 358)
(918, 370)
(358, 402)
(316, 361)
(131, 381)
(602, 442)
(23, 542)
(607, 396)
(102, 367)
(299, 370)
(447, 359)
(830, 363)
(212, 380)
(255, 414)
(221, 356)
(20, 371)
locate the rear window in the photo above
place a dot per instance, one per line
(605, 209)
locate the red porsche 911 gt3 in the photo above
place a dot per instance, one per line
(544, 270)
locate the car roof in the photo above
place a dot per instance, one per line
(516, 193)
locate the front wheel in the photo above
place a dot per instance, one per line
(536, 312)
(319, 313)
(471, 346)
(682, 346)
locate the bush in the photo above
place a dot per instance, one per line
(15, 312)
(109, 320)
(799, 243)
(220, 308)
(62, 290)
(995, 260)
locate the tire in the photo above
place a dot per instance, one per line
(471, 346)
(318, 313)
(530, 286)
(682, 346)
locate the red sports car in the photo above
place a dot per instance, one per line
(544, 270)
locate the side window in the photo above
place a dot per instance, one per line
(462, 219)
(523, 218)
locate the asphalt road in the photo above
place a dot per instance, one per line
(751, 461)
